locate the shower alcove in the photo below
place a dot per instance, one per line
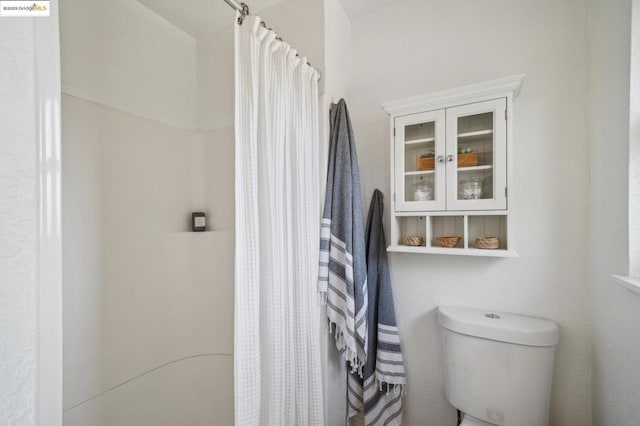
(147, 127)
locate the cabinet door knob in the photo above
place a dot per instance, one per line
(450, 158)
(440, 158)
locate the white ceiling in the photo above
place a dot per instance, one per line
(198, 17)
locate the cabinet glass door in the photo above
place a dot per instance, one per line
(476, 156)
(419, 150)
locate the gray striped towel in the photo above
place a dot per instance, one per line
(380, 390)
(342, 280)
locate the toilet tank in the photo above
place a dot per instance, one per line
(498, 367)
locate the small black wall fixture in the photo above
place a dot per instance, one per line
(198, 222)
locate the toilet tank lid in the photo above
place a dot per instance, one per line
(499, 326)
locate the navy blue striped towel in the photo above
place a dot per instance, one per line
(342, 280)
(380, 390)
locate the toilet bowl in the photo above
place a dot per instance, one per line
(498, 367)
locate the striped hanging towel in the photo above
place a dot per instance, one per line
(342, 280)
(379, 393)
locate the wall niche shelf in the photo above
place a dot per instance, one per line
(211, 234)
(464, 136)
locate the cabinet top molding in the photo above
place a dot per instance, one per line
(508, 87)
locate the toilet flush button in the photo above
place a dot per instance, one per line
(492, 316)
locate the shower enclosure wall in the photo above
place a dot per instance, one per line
(147, 140)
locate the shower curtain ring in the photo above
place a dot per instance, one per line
(243, 13)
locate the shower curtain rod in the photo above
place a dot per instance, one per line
(240, 7)
(244, 11)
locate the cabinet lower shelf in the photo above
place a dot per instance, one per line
(464, 231)
(454, 251)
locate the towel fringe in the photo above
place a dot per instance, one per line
(398, 388)
(322, 297)
(356, 364)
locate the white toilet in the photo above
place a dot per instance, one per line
(498, 367)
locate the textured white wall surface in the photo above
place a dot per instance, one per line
(615, 310)
(428, 46)
(18, 223)
(634, 142)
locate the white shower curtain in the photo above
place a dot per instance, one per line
(277, 354)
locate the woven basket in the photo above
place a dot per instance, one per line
(414, 240)
(426, 163)
(487, 243)
(448, 242)
(468, 160)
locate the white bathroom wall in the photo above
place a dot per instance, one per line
(82, 253)
(615, 310)
(18, 224)
(216, 94)
(426, 46)
(299, 22)
(337, 51)
(219, 156)
(337, 77)
(122, 55)
(216, 100)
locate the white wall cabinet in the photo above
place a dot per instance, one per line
(451, 168)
